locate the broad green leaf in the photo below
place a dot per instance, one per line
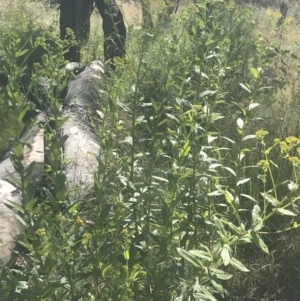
(254, 72)
(236, 229)
(257, 222)
(126, 254)
(249, 137)
(228, 197)
(240, 123)
(238, 265)
(207, 92)
(259, 242)
(211, 138)
(30, 204)
(216, 284)
(19, 150)
(207, 293)
(189, 257)
(202, 254)
(20, 52)
(225, 254)
(283, 211)
(219, 226)
(185, 150)
(214, 193)
(253, 105)
(199, 297)
(249, 197)
(220, 274)
(213, 166)
(270, 199)
(230, 170)
(15, 205)
(242, 181)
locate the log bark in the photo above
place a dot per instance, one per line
(10, 226)
(82, 149)
(82, 146)
(114, 29)
(35, 137)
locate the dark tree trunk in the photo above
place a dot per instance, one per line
(114, 29)
(83, 14)
(75, 14)
(68, 20)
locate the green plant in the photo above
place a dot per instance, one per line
(182, 196)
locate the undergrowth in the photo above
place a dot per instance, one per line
(193, 199)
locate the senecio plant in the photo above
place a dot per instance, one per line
(181, 190)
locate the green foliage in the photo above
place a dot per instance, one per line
(180, 193)
(25, 56)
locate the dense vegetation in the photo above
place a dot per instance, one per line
(196, 194)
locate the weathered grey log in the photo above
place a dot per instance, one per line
(10, 226)
(35, 137)
(82, 147)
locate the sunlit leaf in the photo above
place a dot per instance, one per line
(249, 137)
(225, 254)
(189, 257)
(207, 92)
(240, 123)
(230, 170)
(202, 254)
(238, 265)
(253, 105)
(245, 87)
(221, 274)
(274, 202)
(249, 197)
(259, 242)
(242, 181)
(254, 72)
(257, 222)
(283, 211)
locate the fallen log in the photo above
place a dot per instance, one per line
(81, 149)
(35, 138)
(10, 226)
(82, 146)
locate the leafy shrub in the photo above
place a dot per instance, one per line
(181, 193)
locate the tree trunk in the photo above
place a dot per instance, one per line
(83, 15)
(114, 29)
(68, 20)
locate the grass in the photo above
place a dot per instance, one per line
(191, 188)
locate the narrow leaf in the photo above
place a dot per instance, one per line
(245, 87)
(283, 211)
(259, 242)
(238, 265)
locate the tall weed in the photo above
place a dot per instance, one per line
(185, 187)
